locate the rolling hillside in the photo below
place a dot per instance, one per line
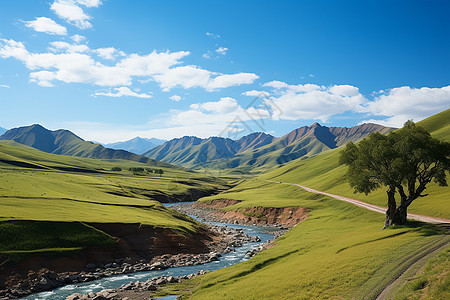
(192, 152)
(323, 173)
(137, 145)
(339, 251)
(259, 150)
(65, 142)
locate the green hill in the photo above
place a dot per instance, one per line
(339, 251)
(39, 190)
(65, 142)
(323, 173)
(259, 151)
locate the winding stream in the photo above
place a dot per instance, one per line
(116, 281)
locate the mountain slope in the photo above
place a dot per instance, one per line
(323, 172)
(3, 130)
(65, 142)
(136, 145)
(193, 152)
(259, 150)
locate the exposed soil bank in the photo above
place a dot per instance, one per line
(262, 216)
(137, 248)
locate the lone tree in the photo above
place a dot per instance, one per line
(404, 161)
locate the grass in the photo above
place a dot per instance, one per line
(21, 238)
(430, 282)
(322, 172)
(45, 199)
(338, 252)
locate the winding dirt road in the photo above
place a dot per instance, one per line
(410, 264)
(372, 207)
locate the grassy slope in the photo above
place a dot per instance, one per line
(34, 187)
(338, 251)
(323, 172)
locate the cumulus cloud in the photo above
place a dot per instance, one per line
(255, 93)
(314, 102)
(90, 3)
(222, 50)
(71, 12)
(175, 98)
(109, 53)
(74, 63)
(77, 38)
(193, 76)
(46, 25)
(123, 91)
(404, 103)
(219, 117)
(59, 46)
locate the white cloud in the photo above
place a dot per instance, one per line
(254, 93)
(123, 91)
(222, 50)
(193, 76)
(4, 86)
(313, 102)
(175, 98)
(276, 84)
(109, 53)
(59, 46)
(69, 11)
(217, 115)
(213, 35)
(228, 80)
(223, 106)
(404, 103)
(46, 25)
(77, 38)
(207, 55)
(90, 3)
(74, 63)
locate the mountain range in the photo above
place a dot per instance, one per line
(137, 145)
(65, 142)
(3, 130)
(248, 153)
(259, 149)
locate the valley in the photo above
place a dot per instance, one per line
(66, 212)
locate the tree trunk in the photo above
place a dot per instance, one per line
(394, 215)
(400, 215)
(392, 208)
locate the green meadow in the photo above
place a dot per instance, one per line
(70, 192)
(339, 251)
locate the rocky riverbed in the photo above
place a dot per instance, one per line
(209, 213)
(45, 279)
(143, 290)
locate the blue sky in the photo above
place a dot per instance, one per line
(112, 70)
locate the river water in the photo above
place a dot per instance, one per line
(116, 281)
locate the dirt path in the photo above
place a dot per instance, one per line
(372, 207)
(412, 263)
(411, 269)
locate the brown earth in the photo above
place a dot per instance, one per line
(284, 216)
(134, 243)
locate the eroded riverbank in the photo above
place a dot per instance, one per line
(168, 267)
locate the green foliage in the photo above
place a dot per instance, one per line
(116, 169)
(338, 252)
(31, 235)
(405, 161)
(406, 157)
